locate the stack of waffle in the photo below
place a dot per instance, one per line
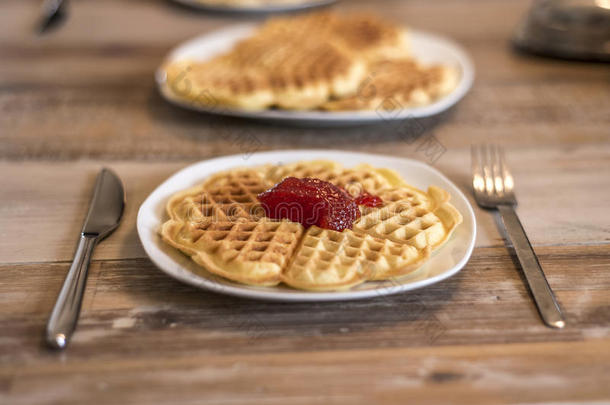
(222, 227)
(315, 61)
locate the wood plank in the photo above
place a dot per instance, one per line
(65, 123)
(145, 338)
(83, 97)
(131, 309)
(574, 372)
(70, 96)
(125, 24)
(40, 223)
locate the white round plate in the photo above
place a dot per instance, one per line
(427, 48)
(444, 263)
(261, 9)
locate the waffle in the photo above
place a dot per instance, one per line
(398, 83)
(408, 218)
(300, 62)
(331, 260)
(301, 72)
(372, 37)
(222, 227)
(250, 252)
(315, 61)
(285, 69)
(251, 181)
(219, 83)
(353, 180)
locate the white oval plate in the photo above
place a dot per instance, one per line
(427, 48)
(261, 9)
(444, 263)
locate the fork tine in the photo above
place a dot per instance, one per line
(495, 170)
(489, 183)
(507, 178)
(477, 172)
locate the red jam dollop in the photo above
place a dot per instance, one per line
(310, 201)
(369, 200)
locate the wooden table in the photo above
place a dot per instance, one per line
(83, 97)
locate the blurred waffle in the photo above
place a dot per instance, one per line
(219, 83)
(302, 72)
(371, 37)
(221, 226)
(319, 60)
(289, 68)
(398, 83)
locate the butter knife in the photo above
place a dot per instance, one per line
(105, 212)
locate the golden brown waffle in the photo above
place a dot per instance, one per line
(331, 260)
(398, 83)
(223, 230)
(221, 225)
(408, 218)
(374, 38)
(223, 197)
(250, 252)
(219, 83)
(241, 180)
(298, 26)
(302, 73)
(368, 35)
(354, 180)
(297, 62)
(285, 69)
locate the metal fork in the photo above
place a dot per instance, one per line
(493, 188)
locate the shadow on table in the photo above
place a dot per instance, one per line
(409, 317)
(254, 135)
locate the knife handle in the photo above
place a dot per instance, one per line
(67, 308)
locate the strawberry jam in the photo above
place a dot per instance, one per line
(310, 202)
(369, 200)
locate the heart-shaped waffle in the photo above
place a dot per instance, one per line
(222, 226)
(331, 260)
(411, 217)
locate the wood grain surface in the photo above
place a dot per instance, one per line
(83, 97)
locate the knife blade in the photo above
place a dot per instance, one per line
(105, 213)
(107, 204)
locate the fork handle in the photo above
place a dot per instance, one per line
(543, 295)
